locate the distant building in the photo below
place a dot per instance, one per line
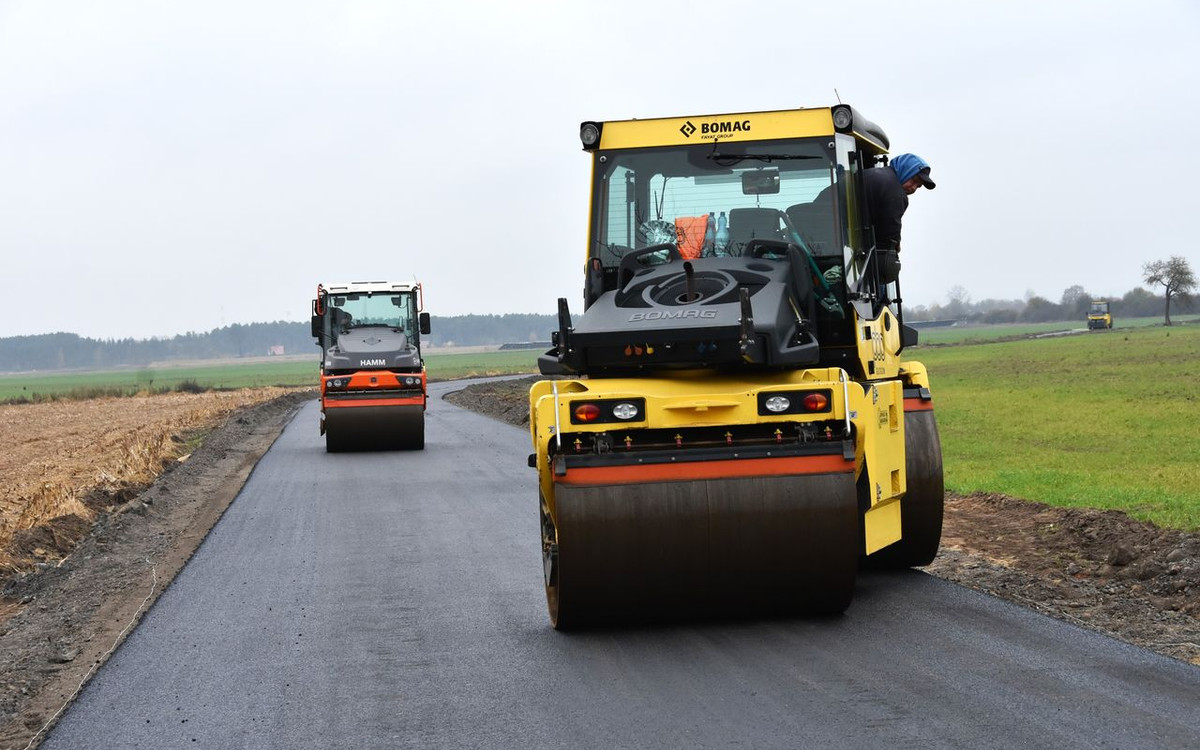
(275, 351)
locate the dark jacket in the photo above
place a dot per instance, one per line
(886, 204)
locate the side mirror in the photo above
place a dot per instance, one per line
(318, 329)
(593, 283)
(760, 182)
(424, 318)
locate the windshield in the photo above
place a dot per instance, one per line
(712, 199)
(374, 309)
(1099, 308)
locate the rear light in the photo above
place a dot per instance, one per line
(774, 403)
(585, 413)
(608, 410)
(816, 402)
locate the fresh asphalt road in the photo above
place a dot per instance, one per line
(394, 600)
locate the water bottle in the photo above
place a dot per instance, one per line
(722, 235)
(710, 235)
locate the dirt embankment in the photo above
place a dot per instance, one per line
(1100, 569)
(66, 462)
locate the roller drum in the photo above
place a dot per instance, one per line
(714, 547)
(374, 428)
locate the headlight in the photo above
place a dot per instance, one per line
(777, 404)
(843, 118)
(589, 134)
(625, 410)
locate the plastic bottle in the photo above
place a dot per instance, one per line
(722, 235)
(710, 235)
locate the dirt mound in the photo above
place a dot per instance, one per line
(505, 400)
(54, 539)
(1082, 544)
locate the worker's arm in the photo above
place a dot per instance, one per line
(890, 209)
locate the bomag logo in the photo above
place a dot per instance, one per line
(710, 130)
(671, 315)
(372, 363)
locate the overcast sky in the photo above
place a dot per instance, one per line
(178, 166)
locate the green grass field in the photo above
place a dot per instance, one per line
(457, 366)
(984, 333)
(133, 380)
(260, 372)
(1102, 419)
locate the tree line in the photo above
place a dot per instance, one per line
(1174, 275)
(1072, 306)
(69, 351)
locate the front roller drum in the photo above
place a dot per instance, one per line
(718, 547)
(374, 428)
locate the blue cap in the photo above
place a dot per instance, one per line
(908, 166)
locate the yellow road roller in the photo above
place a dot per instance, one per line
(1099, 317)
(729, 428)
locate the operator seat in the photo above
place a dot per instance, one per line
(812, 220)
(747, 224)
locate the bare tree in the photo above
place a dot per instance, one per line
(959, 301)
(1175, 276)
(1075, 300)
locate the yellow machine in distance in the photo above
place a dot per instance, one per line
(1099, 316)
(737, 430)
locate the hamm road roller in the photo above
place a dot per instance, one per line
(731, 429)
(372, 376)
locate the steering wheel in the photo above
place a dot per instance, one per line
(757, 248)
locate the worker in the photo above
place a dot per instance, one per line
(887, 190)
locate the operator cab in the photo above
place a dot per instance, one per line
(683, 209)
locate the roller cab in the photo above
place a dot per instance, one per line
(730, 427)
(1099, 317)
(373, 382)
